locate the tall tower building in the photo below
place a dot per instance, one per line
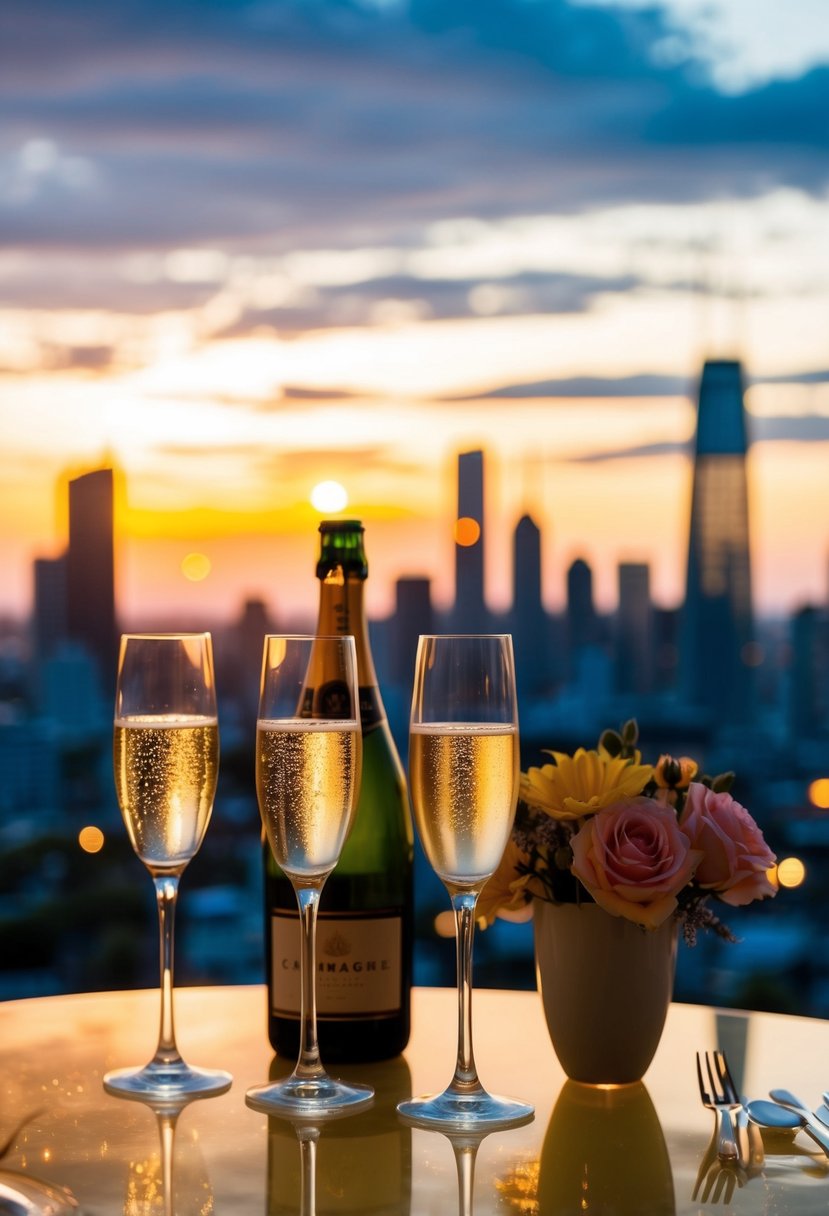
(90, 572)
(49, 615)
(413, 616)
(810, 663)
(529, 620)
(717, 618)
(581, 615)
(634, 640)
(470, 613)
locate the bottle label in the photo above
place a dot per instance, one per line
(358, 965)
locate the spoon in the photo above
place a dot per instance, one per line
(786, 1098)
(772, 1114)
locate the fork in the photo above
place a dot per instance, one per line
(721, 1097)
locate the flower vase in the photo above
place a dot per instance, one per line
(606, 984)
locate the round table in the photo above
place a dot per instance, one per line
(641, 1150)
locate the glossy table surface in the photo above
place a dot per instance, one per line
(637, 1150)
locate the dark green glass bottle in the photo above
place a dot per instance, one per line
(365, 926)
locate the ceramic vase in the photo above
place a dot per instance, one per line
(606, 985)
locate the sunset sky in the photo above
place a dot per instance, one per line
(248, 247)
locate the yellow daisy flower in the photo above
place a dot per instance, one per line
(675, 774)
(506, 889)
(583, 783)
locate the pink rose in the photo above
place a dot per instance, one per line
(634, 858)
(736, 858)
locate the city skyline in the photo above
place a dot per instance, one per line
(578, 672)
(525, 537)
(704, 654)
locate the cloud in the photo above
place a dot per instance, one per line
(812, 428)
(300, 123)
(646, 384)
(798, 428)
(409, 297)
(667, 448)
(813, 377)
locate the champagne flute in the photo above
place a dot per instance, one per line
(166, 761)
(464, 772)
(308, 758)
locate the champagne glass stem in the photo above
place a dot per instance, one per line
(465, 1153)
(309, 1065)
(308, 1138)
(166, 890)
(167, 1138)
(465, 1080)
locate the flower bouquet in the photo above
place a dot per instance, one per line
(643, 842)
(613, 856)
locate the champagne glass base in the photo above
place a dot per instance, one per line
(167, 1082)
(302, 1098)
(465, 1112)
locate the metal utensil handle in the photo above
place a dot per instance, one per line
(820, 1134)
(727, 1140)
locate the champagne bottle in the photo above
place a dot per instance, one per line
(365, 926)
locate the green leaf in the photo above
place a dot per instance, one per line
(612, 742)
(723, 783)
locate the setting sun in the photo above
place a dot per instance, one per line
(328, 497)
(195, 567)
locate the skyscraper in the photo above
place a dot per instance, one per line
(529, 620)
(633, 639)
(49, 616)
(717, 618)
(90, 572)
(413, 616)
(470, 613)
(807, 698)
(580, 613)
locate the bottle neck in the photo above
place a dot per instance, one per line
(342, 612)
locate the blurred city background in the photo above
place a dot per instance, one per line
(539, 290)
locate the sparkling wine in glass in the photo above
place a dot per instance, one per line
(166, 761)
(464, 772)
(308, 757)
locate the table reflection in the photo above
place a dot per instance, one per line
(360, 1163)
(169, 1177)
(605, 1151)
(643, 1149)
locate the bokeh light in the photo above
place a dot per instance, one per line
(195, 567)
(753, 654)
(91, 839)
(328, 497)
(819, 793)
(467, 531)
(791, 872)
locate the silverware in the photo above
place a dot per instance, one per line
(819, 1118)
(721, 1096)
(775, 1114)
